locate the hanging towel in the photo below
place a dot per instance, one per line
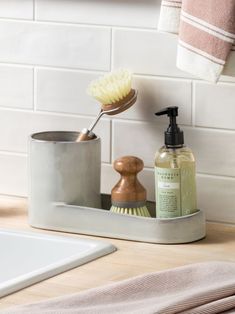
(206, 31)
(204, 288)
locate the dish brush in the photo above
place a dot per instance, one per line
(129, 196)
(115, 94)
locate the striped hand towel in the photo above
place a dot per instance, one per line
(206, 31)
(203, 288)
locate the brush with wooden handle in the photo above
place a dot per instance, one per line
(128, 195)
(115, 94)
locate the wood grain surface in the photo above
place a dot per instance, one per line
(131, 258)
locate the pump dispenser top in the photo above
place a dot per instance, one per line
(173, 135)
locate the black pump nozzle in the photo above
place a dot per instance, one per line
(173, 136)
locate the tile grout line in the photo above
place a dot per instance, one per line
(34, 89)
(53, 67)
(111, 50)
(193, 104)
(89, 116)
(186, 126)
(14, 196)
(111, 142)
(34, 10)
(12, 153)
(77, 24)
(215, 176)
(97, 71)
(146, 168)
(205, 175)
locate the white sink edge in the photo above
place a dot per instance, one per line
(102, 248)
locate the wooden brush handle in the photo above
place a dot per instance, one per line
(85, 135)
(119, 104)
(128, 188)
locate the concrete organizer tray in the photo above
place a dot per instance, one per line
(102, 222)
(64, 195)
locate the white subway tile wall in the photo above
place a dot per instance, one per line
(73, 46)
(213, 149)
(104, 12)
(214, 105)
(16, 127)
(50, 51)
(146, 52)
(64, 91)
(16, 9)
(13, 168)
(156, 93)
(16, 87)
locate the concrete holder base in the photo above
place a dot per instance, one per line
(101, 222)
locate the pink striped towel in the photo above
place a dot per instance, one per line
(204, 288)
(206, 31)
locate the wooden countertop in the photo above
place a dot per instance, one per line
(131, 258)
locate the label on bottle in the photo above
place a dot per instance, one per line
(188, 189)
(176, 191)
(168, 192)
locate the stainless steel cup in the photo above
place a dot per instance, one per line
(62, 170)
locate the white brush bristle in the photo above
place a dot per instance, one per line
(111, 87)
(139, 211)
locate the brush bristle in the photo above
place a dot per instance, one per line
(111, 87)
(139, 211)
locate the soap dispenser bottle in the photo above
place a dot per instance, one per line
(175, 176)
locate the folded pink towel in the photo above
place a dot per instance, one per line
(206, 31)
(203, 288)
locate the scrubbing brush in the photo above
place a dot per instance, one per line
(128, 196)
(115, 94)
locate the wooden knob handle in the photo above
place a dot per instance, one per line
(128, 165)
(128, 188)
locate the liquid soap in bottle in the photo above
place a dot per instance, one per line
(175, 176)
